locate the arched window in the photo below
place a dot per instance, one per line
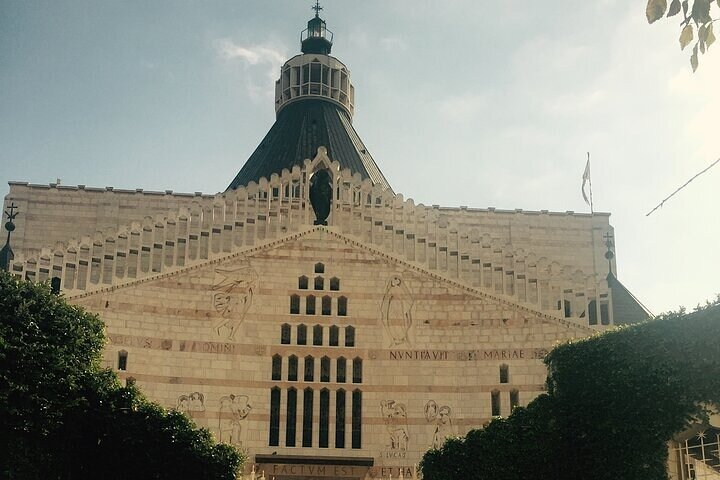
(340, 419)
(325, 369)
(303, 283)
(122, 360)
(342, 307)
(349, 336)
(357, 370)
(310, 305)
(319, 268)
(495, 403)
(326, 305)
(294, 304)
(341, 368)
(274, 417)
(317, 335)
(335, 284)
(324, 417)
(277, 367)
(292, 368)
(319, 283)
(309, 368)
(356, 419)
(302, 334)
(291, 419)
(307, 417)
(504, 373)
(514, 399)
(285, 334)
(334, 336)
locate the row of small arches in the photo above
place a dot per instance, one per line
(318, 336)
(326, 305)
(293, 370)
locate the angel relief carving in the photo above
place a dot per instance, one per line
(233, 290)
(396, 311)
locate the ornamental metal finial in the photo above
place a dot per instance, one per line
(6, 253)
(610, 253)
(317, 8)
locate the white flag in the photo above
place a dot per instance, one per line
(586, 179)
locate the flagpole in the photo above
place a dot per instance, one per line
(590, 182)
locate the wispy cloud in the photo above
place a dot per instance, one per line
(261, 62)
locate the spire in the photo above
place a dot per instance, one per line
(6, 253)
(316, 38)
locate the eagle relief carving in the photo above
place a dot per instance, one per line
(233, 289)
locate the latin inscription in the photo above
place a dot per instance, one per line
(418, 355)
(470, 355)
(313, 470)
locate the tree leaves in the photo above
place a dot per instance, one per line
(674, 8)
(655, 10)
(686, 36)
(701, 11)
(694, 58)
(709, 36)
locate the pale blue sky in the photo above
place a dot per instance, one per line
(464, 103)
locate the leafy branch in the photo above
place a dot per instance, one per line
(695, 17)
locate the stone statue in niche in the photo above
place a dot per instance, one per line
(233, 290)
(396, 311)
(191, 404)
(321, 193)
(395, 417)
(441, 417)
(238, 407)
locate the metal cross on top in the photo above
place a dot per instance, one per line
(11, 214)
(317, 8)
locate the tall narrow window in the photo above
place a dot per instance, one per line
(357, 370)
(342, 307)
(326, 305)
(317, 335)
(303, 283)
(291, 419)
(495, 403)
(309, 368)
(340, 419)
(307, 418)
(592, 312)
(319, 268)
(319, 283)
(357, 419)
(310, 305)
(324, 417)
(292, 368)
(341, 368)
(285, 334)
(334, 284)
(514, 399)
(349, 336)
(334, 336)
(274, 417)
(294, 304)
(276, 367)
(504, 373)
(122, 360)
(604, 314)
(302, 334)
(324, 369)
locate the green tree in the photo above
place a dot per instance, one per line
(614, 401)
(697, 18)
(63, 417)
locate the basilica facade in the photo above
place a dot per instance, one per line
(311, 315)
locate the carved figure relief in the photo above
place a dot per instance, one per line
(441, 417)
(321, 193)
(396, 311)
(238, 406)
(233, 293)
(395, 417)
(189, 404)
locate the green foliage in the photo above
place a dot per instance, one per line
(696, 17)
(614, 401)
(63, 417)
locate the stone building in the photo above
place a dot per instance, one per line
(311, 315)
